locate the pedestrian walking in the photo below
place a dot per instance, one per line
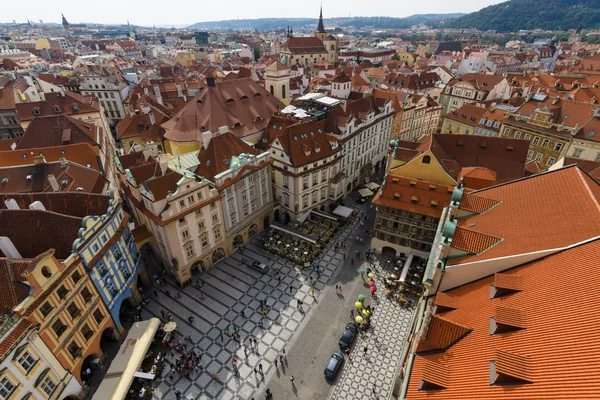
(191, 319)
(352, 314)
(275, 362)
(279, 278)
(177, 394)
(283, 351)
(292, 379)
(260, 368)
(168, 293)
(221, 334)
(155, 293)
(244, 313)
(313, 291)
(245, 352)
(290, 288)
(255, 371)
(374, 389)
(365, 350)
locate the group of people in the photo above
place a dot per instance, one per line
(187, 362)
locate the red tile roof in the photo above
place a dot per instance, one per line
(441, 334)
(33, 231)
(7, 99)
(14, 337)
(556, 345)
(59, 130)
(80, 153)
(399, 194)
(307, 142)
(34, 178)
(217, 157)
(304, 45)
(472, 241)
(70, 103)
(76, 204)
(567, 197)
(241, 105)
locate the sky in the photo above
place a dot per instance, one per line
(187, 12)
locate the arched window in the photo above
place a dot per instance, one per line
(272, 90)
(283, 92)
(426, 159)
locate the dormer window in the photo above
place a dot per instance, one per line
(258, 118)
(36, 111)
(244, 98)
(56, 109)
(229, 101)
(237, 125)
(257, 95)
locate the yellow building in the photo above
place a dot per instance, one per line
(463, 120)
(405, 56)
(277, 81)
(554, 128)
(421, 180)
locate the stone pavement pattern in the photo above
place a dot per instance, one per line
(230, 288)
(372, 375)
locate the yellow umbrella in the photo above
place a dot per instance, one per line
(366, 313)
(358, 319)
(358, 305)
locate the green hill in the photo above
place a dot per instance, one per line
(343, 22)
(514, 15)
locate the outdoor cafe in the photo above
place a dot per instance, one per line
(139, 361)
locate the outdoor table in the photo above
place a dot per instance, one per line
(394, 276)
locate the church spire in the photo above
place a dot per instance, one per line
(321, 26)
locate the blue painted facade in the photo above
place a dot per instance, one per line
(111, 257)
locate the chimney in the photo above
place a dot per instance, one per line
(8, 248)
(152, 120)
(63, 162)
(37, 205)
(145, 108)
(164, 166)
(39, 160)
(179, 91)
(223, 129)
(210, 81)
(53, 183)
(206, 136)
(157, 94)
(11, 204)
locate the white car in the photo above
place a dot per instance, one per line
(260, 266)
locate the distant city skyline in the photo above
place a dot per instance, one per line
(187, 13)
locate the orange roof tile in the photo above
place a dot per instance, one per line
(545, 211)
(557, 351)
(398, 194)
(441, 334)
(476, 204)
(14, 337)
(473, 242)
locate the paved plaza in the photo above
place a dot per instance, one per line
(372, 375)
(230, 289)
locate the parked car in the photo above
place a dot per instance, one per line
(335, 364)
(260, 266)
(348, 336)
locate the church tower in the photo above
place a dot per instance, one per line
(277, 81)
(320, 33)
(65, 23)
